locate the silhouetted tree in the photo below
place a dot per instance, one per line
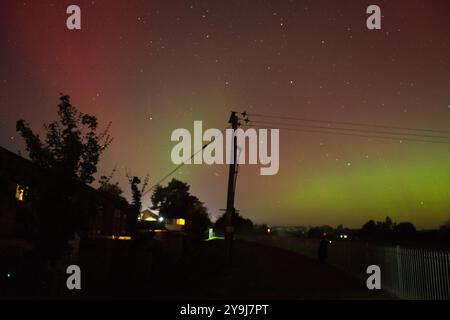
(240, 224)
(198, 220)
(69, 154)
(113, 189)
(369, 228)
(136, 203)
(72, 146)
(388, 229)
(386, 226)
(175, 201)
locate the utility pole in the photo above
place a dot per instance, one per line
(230, 211)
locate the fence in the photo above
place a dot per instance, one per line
(405, 272)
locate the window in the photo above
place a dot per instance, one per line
(180, 222)
(20, 193)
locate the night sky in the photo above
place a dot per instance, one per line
(153, 66)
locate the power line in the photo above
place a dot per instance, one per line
(344, 123)
(358, 135)
(179, 166)
(274, 123)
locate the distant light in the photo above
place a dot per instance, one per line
(331, 241)
(9, 275)
(345, 236)
(268, 230)
(180, 222)
(126, 238)
(341, 236)
(161, 219)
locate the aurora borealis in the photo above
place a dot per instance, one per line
(153, 66)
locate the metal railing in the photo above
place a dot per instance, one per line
(407, 273)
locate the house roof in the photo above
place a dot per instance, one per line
(14, 165)
(149, 215)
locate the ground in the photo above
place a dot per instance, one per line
(203, 272)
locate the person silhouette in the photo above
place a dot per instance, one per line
(323, 249)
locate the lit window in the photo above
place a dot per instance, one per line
(126, 238)
(180, 222)
(20, 193)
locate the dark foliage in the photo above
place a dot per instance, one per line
(136, 203)
(240, 224)
(72, 146)
(388, 230)
(175, 201)
(69, 155)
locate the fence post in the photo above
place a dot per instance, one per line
(399, 271)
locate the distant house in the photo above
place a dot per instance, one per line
(151, 219)
(22, 184)
(149, 215)
(175, 224)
